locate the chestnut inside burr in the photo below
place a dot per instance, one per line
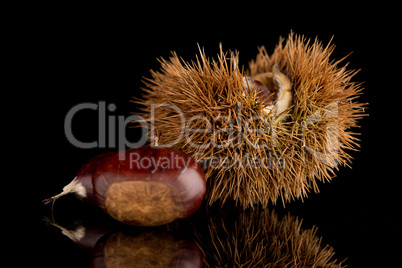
(275, 92)
(149, 203)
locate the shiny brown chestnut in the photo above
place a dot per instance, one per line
(145, 186)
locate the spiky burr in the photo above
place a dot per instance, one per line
(258, 143)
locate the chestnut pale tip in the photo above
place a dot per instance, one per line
(73, 187)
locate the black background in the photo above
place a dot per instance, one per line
(99, 54)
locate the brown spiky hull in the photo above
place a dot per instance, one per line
(201, 109)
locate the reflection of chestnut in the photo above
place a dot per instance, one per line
(85, 236)
(149, 248)
(141, 186)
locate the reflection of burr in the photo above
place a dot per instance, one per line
(257, 238)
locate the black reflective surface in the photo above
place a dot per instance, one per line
(214, 236)
(352, 220)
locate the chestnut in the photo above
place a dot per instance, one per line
(251, 83)
(274, 89)
(145, 186)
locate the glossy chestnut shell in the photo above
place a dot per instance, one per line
(148, 186)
